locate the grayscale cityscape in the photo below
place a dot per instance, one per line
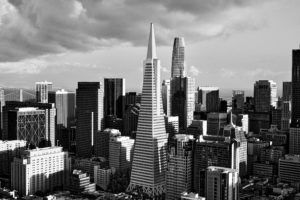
(150, 100)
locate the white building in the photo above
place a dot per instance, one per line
(120, 152)
(40, 170)
(42, 89)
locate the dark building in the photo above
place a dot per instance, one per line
(209, 99)
(286, 91)
(130, 98)
(296, 89)
(223, 106)
(89, 101)
(259, 121)
(238, 98)
(114, 94)
(216, 121)
(130, 120)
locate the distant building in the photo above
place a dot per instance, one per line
(296, 89)
(288, 169)
(259, 120)
(102, 176)
(172, 126)
(130, 99)
(286, 115)
(238, 98)
(222, 183)
(215, 121)
(40, 170)
(65, 108)
(166, 97)
(87, 165)
(89, 105)
(80, 182)
(294, 141)
(265, 95)
(209, 99)
(180, 160)
(130, 120)
(19, 94)
(243, 121)
(276, 116)
(102, 141)
(120, 152)
(197, 128)
(113, 122)
(42, 89)
(287, 91)
(114, 94)
(178, 58)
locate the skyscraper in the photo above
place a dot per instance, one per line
(166, 92)
(238, 97)
(65, 107)
(265, 95)
(296, 89)
(89, 101)
(114, 94)
(178, 61)
(42, 89)
(149, 158)
(208, 97)
(286, 91)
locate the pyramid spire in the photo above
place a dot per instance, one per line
(151, 53)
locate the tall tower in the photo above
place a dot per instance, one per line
(178, 61)
(149, 157)
(296, 89)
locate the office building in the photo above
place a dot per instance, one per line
(197, 128)
(113, 122)
(149, 158)
(180, 163)
(9, 150)
(288, 169)
(80, 182)
(87, 164)
(215, 121)
(243, 121)
(102, 139)
(286, 115)
(209, 99)
(120, 152)
(238, 98)
(276, 115)
(50, 113)
(222, 183)
(102, 176)
(65, 108)
(183, 100)
(166, 97)
(265, 95)
(2, 103)
(130, 99)
(89, 101)
(259, 120)
(130, 120)
(172, 126)
(40, 170)
(264, 170)
(287, 91)
(296, 89)
(114, 94)
(274, 135)
(42, 89)
(294, 141)
(178, 58)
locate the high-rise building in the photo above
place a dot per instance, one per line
(172, 126)
(149, 158)
(114, 94)
(102, 176)
(9, 150)
(40, 170)
(180, 160)
(120, 152)
(50, 113)
(130, 120)
(288, 169)
(243, 121)
(209, 99)
(197, 128)
(287, 91)
(238, 98)
(130, 99)
(222, 183)
(183, 100)
(65, 108)
(178, 60)
(265, 95)
(166, 97)
(286, 115)
(296, 89)
(89, 101)
(102, 139)
(294, 141)
(215, 121)
(42, 89)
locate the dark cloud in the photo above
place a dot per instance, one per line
(31, 28)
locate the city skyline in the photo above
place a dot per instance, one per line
(214, 54)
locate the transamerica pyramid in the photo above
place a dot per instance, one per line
(149, 157)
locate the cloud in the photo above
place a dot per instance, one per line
(194, 71)
(31, 28)
(227, 73)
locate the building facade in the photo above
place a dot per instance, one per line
(265, 95)
(42, 89)
(178, 58)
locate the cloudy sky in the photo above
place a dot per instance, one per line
(229, 43)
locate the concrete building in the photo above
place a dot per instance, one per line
(80, 182)
(215, 121)
(288, 169)
(166, 96)
(89, 105)
(265, 95)
(149, 159)
(32, 125)
(120, 152)
(222, 183)
(42, 89)
(209, 99)
(102, 141)
(40, 170)
(294, 141)
(180, 163)
(102, 176)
